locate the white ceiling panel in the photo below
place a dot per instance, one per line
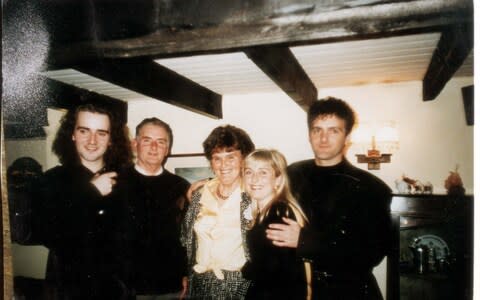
(231, 73)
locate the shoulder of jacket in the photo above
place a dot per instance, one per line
(368, 179)
(301, 166)
(56, 171)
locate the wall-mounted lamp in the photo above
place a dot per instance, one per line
(379, 142)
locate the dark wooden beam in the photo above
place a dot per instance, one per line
(282, 67)
(67, 96)
(453, 48)
(285, 23)
(148, 78)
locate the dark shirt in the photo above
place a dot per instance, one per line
(349, 222)
(156, 207)
(276, 272)
(82, 230)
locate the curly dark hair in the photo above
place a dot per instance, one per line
(332, 106)
(119, 152)
(230, 138)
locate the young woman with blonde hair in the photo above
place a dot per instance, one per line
(276, 272)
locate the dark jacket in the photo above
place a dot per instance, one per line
(276, 272)
(348, 233)
(82, 230)
(155, 208)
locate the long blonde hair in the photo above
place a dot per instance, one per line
(282, 192)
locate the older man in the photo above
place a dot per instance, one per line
(156, 201)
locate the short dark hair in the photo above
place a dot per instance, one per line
(118, 154)
(159, 123)
(228, 137)
(332, 106)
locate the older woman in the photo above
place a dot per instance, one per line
(214, 229)
(276, 272)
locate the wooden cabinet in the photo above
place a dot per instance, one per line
(435, 246)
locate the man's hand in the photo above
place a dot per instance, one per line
(195, 186)
(104, 182)
(183, 294)
(284, 235)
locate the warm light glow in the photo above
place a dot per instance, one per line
(375, 144)
(385, 137)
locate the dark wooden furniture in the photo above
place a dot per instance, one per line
(444, 218)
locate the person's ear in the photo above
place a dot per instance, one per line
(134, 145)
(278, 182)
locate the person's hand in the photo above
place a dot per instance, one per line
(104, 182)
(183, 294)
(284, 235)
(195, 186)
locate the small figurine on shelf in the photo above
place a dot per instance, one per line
(428, 188)
(416, 187)
(454, 184)
(402, 186)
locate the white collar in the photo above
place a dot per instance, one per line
(144, 172)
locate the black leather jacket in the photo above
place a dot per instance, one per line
(348, 231)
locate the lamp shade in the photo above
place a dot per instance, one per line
(382, 136)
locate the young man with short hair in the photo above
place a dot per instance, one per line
(348, 210)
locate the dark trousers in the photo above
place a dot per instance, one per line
(330, 287)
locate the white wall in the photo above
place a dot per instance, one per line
(434, 137)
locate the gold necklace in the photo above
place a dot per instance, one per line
(222, 197)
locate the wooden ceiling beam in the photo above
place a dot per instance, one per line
(452, 49)
(286, 23)
(282, 67)
(148, 78)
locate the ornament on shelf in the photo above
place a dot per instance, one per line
(454, 183)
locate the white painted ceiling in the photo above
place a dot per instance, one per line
(394, 59)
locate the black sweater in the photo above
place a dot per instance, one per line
(156, 207)
(276, 272)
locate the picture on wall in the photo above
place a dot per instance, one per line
(192, 174)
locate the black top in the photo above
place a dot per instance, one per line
(82, 230)
(276, 272)
(156, 207)
(349, 219)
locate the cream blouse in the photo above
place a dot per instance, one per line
(218, 233)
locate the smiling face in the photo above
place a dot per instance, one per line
(226, 165)
(260, 180)
(91, 136)
(328, 138)
(151, 146)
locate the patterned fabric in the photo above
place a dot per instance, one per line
(206, 285)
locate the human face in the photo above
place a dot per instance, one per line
(328, 137)
(91, 136)
(151, 146)
(227, 166)
(260, 181)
